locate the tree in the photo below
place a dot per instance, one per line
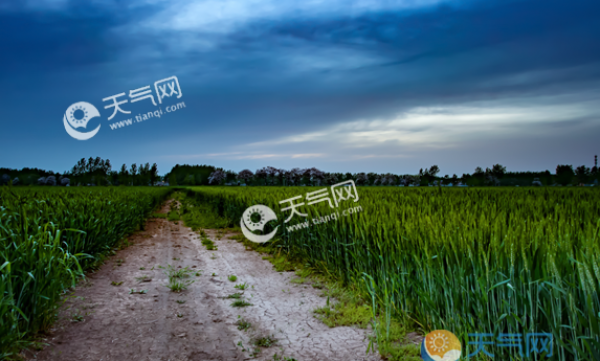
(245, 176)
(498, 171)
(433, 171)
(133, 173)
(124, 175)
(217, 177)
(582, 173)
(297, 175)
(154, 174)
(564, 174)
(362, 179)
(51, 181)
(189, 180)
(261, 175)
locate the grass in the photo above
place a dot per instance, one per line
(115, 283)
(159, 215)
(243, 324)
(276, 357)
(232, 278)
(241, 303)
(177, 285)
(133, 291)
(178, 281)
(345, 314)
(266, 341)
(235, 295)
(241, 286)
(210, 245)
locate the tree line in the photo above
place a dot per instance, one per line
(98, 171)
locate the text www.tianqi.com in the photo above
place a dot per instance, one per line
(320, 220)
(145, 116)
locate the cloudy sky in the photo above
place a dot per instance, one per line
(343, 85)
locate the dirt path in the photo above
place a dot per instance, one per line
(101, 321)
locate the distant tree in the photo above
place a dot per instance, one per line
(217, 177)
(261, 175)
(362, 179)
(64, 182)
(41, 181)
(564, 174)
(245, 176)
(154, 174)
(583, 173)
(230, 176)
(297, 175)
(124, 175)
(4, 179)
(189, 180)
(51, 181)
(133, 173)
(433, 171)
(272, 175)
(287, 178)
(330, 179)
(377, 180)
(454, 179)
(388, 179)
(498, 171)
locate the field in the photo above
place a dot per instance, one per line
(477, 260)
(48, 237)
(465, 260)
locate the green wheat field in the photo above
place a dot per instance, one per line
(476, 260)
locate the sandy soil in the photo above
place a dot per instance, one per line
(101, 321)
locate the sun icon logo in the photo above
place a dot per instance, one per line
(440, 345)
(81, 121)
(70, 121)
(249, 226)
(253, 212)
(439, 342)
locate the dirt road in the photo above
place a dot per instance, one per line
(102, 320)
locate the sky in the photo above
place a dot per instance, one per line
(341, 85)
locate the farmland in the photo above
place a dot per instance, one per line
(477, 260)
(48, 237)
(469, 261)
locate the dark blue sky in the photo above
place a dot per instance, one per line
(383, 86)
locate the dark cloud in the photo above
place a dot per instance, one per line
(270, 78)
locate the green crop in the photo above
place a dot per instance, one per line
(48, 237)
(475, 260)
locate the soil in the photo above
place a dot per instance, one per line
(103, 321)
